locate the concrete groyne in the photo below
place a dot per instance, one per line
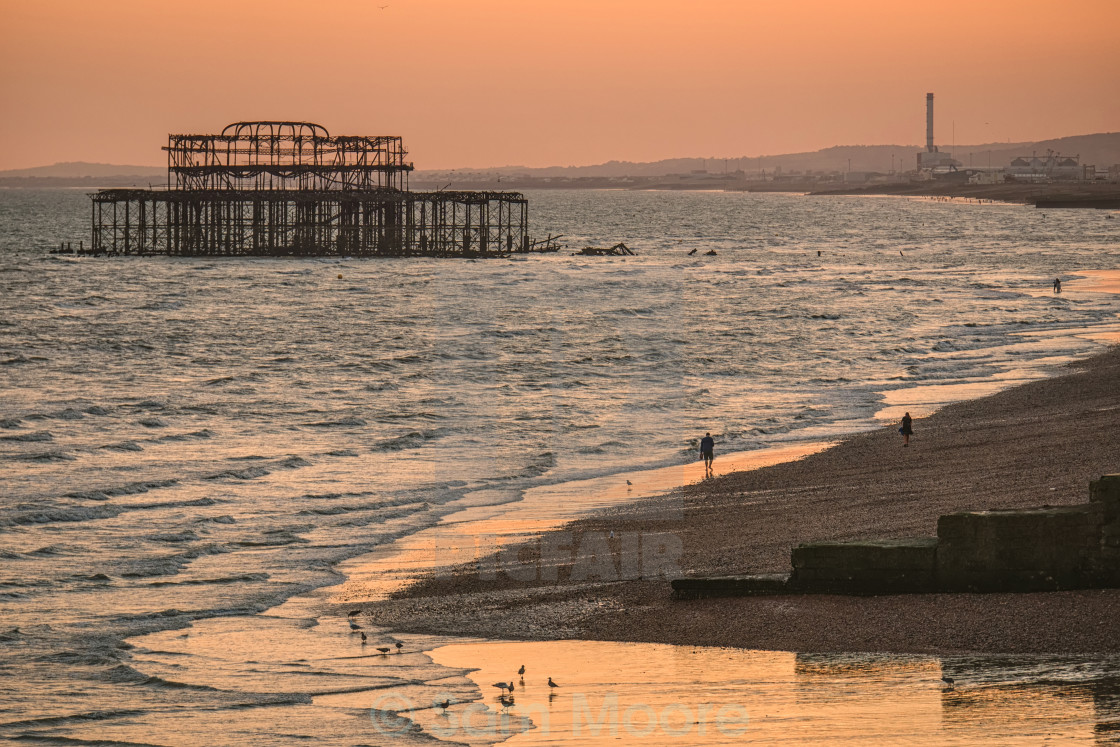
(1037, 549)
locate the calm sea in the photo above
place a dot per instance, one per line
(187, 443)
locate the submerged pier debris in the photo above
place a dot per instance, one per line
(276, 188)
(618, 250)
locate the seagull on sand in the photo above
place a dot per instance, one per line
(399, 646)
(551, 683)
(950, 682)
(504, 686)
(354, 625)
(363, 639)
(383, 649)
(521, 671)
(505, 700)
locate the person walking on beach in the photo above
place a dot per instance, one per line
(1057, 285)
(707, 452)
(906, 430)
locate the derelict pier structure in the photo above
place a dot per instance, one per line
(293, 189)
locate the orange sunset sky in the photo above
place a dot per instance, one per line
(549, 82)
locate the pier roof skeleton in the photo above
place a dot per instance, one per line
(273, 188)
(285, 155)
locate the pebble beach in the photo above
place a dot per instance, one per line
(1032, 445)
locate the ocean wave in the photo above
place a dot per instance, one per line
(152, 423)
(79, 658)
(132, 488)
(175, 504)
(342, 422)
(330, 510)
(173, 537)
(241, 578)
(10, 422)
(124, 446)
(61, 515)
(44, 456)
(273, 538)
(37, 436)
(249, 473)
(204, 433)
(412, 440)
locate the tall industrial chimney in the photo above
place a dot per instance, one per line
(929, 124)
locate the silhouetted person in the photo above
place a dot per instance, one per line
(1057, 285)
(707, 452)
(907, 429)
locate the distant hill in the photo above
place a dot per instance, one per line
(1102, 150)
(79, 169)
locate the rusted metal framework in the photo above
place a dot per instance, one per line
(290, 188)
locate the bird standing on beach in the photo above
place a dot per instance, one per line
(552, 684)
(504, 686)
(445, 704)
(399, 646)
(354, 625)
(521, 672)
(363, 639)
(950, 682)
(383, 649)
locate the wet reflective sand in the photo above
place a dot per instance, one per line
(684, 695)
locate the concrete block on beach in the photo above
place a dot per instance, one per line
(1023, 550)
(866, 567)
(1037, 549)
(730, 586)
(1106, 491)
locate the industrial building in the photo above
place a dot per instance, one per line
(932, 159)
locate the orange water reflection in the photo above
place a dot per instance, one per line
(630, 692)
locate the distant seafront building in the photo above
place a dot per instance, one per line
(277, 188)
(931, 159)
(1051, 166)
